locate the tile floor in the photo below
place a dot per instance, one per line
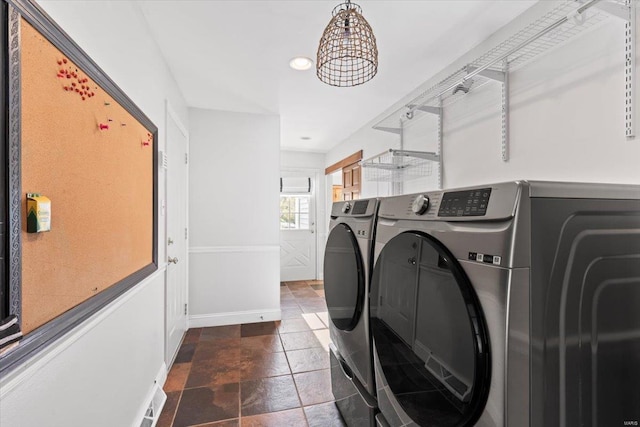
(259, 374)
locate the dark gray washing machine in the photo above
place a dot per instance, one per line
(515, 304)
(347, 274)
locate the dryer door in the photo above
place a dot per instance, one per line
(344, 279)
(432, 361)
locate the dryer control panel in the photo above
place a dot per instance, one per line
(354, 208)
(482, 203)
(465, 203)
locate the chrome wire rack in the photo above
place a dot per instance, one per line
(555, 28)
(398, 166)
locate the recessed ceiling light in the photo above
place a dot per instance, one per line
(305, 138)
(300, 63)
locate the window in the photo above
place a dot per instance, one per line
(294, 212)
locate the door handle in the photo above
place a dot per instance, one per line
(173, 260)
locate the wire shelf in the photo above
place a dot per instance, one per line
(398, 166)
(521, 51)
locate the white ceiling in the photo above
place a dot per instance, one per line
(234, 55)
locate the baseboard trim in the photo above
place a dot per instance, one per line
(233, 318)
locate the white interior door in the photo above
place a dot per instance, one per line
(176, 244)
(298, 243)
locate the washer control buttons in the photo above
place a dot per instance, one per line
(346, 207)
(420, 204)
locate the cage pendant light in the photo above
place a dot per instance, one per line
(347, 55)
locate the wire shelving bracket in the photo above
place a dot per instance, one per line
(562, 23)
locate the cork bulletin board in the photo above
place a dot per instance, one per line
(73, 136)
(94, 161)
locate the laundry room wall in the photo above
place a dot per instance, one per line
(567, 119)
(234, 252)
(102, 373)
(312, 163)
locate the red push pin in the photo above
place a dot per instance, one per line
(64, 60)
(145, 143)
(104, 127)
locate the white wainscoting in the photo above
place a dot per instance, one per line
(233, 284)
(83, 373)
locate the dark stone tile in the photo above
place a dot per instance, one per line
(221, 368)
(226, 423)
(316, 306)
(324, 415)
(268, 395)
(261, 343)
(293, 325)
(169, 409)
(177, 377)
(216, 332)
(207, 405)
(289, 303)
(262, 365)
(283, 283)
(223, 348)
(314, 387)
(288, 296)
(297, 285)
(185, 354)
(304, 293)
(311, 359)
(318, 287)
(299, 340)
(291, 313)
(290, 418)
(192, 335)
(255, 329)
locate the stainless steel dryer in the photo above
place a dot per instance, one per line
(514, 304)
(347, 274)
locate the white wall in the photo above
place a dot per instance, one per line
(103, 372)
(312, 163)
(234, 264)
(566, 119)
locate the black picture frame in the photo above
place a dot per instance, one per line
(10, 289)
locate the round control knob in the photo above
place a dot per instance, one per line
(420, 204)
(346, 207)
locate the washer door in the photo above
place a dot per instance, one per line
(429, 333)
(344, 280)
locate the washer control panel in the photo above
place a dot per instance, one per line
(465, 203)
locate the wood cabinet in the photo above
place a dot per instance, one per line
(351, 175)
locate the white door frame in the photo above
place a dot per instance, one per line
(315, 174)
(170, 114)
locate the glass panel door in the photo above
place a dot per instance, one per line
(429, 332)
(344, 280)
